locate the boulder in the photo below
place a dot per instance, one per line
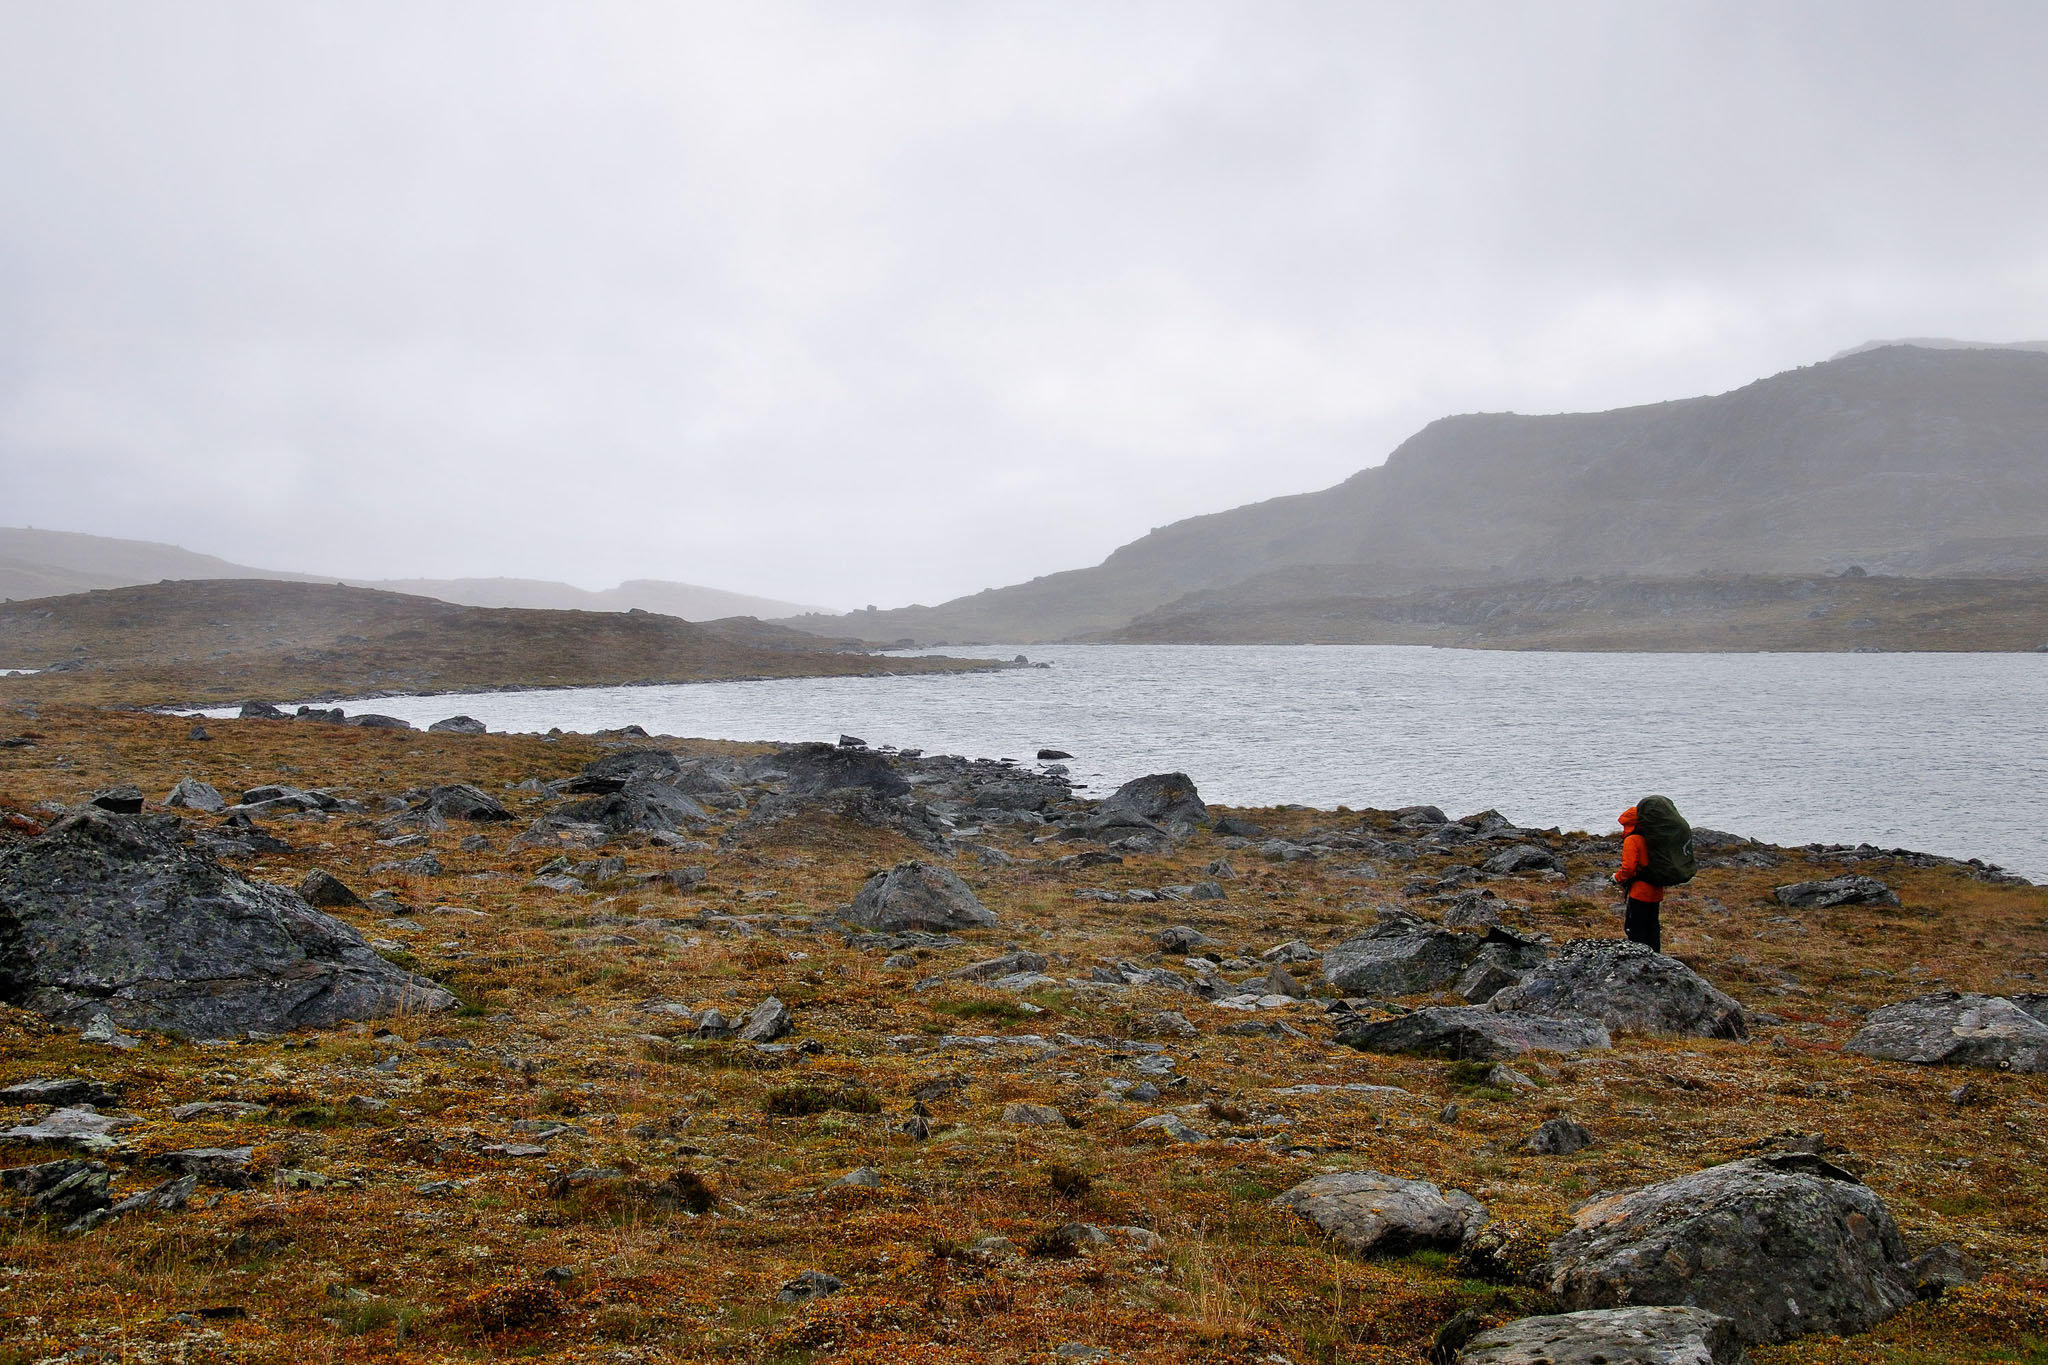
(1610, 1336)
(915, 895)
(121, 800)
(1559, 1137)
(1026, 1115)
(327, 892)
(369, 720)
(117, 915)
(261, 710)
(768, 1021)
(457, 725)
(1160, 799)
(1179, 939)
(83, 1128)
(1954, 1029)
(192, 794)
(814, 769)
(1473, 1032)
(1836, 891)
(1781, 1245)
(642, 806)
(1517, 859)
(1401, 955)
(1375, 1214)
(808, 1285)
(62, 1092)
(462, 801)
(1628, 987)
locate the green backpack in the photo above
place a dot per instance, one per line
(1669, 840)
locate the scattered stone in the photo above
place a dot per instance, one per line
(372, 721)
(1179, 939)
(192, 794)
(1559, 1137)
(1375, 1214)
(1939, 1269)
(217, 1109)
(1955, 1029)
(457, 725)
(769, 1021)
(1518, 859)
(61, 1191)
(227, 1167)
(809, 1285)
(168, 1197)
(328, 892)
(1168, 1126)
(1629, 988)
(465, 801)
(117, 916)
(102, 1029)
(1836, 891)
(1474, 1032)
(1025, 1115)
(915, 895)
(1783, 1245)
(1609, 1336)
(860, 1178)
(261, 710)
(1053, 755)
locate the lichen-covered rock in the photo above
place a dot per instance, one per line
(457, 725)
(1473, 1032)
(915, 895)
(1376, 1214)
(1559, 1137)
(1953, 1029)
(1610, 1336)
(1781, 1245)
(464, 801)
(1401, 955)
(192, 794)
(117, 915)
(1836, 891)
(1629, 988)
(327, 891)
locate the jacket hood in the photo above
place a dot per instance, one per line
(1628, 818)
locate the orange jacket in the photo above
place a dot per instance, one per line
(1635, 857)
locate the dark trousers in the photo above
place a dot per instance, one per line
(1639, 922)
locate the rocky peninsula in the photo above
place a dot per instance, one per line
(442, 1044)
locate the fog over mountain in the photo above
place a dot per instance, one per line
(1902, 459)
(852, 303)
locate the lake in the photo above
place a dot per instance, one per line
(1946, 753)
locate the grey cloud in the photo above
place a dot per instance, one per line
(893, 302)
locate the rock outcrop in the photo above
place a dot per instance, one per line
(1375, 1214)
(1851, 890)
(1164, 799)
(1953, 1029)
(1629, 988)
(117, 915)
(1610, 1336)
(1781, 1245)
(914, 895)
(1403, 954)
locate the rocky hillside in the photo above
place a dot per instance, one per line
(318, 1041)
(1902, 459)
(1752, 612)
(204, 642)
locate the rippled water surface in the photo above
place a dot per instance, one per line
(1942, 752)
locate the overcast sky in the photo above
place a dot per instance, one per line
(869, 302)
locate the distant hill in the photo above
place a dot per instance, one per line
(37, 563)
(214, 640)
(1900, 459)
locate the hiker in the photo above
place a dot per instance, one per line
(1656, 852)
(1639, 918)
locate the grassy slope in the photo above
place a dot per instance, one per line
(1693, 613)
(211, 641)
(556, 1034)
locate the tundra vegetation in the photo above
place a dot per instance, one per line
(1061, 1134)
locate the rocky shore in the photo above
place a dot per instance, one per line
(627, 1047)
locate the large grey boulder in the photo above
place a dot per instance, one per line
(641, 806)
(116, 915)
(1781, 1245)
(1610, 1336)
(1474, 1032)
(1375, 1214)
(192, 794)
(462, 801)
(1627, 987)
(1161, 798)
(1836, 891)
(1952, 1029)
(814, 769)
(457, 725)
(915, 895)
(1401, 955)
